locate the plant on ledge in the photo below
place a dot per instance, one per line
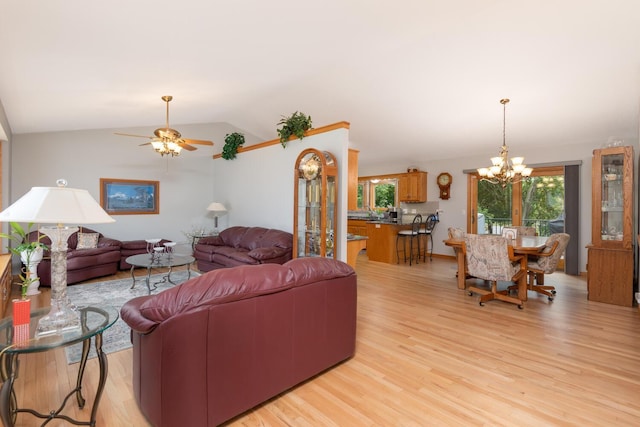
(296, 125)
(232, 141)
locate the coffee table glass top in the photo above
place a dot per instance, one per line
(162, 260)
(93, 320)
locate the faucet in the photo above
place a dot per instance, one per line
(371, 211)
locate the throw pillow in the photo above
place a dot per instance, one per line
(87, 240)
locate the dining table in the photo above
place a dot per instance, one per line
(522, 245)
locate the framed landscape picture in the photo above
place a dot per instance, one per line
(129, 196)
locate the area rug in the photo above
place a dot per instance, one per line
(115, 293)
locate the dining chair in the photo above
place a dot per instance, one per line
(525, 230)
(411, 234)
(491, 258)
(426, 234)
(546, 262)
(456, 233)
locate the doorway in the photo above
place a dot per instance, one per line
(538, 202)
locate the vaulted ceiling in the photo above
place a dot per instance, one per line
(415, 78)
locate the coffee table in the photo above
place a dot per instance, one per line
(159, 261)
(93, 321)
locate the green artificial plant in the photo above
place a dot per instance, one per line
(295, 125)
(20, 236)
(232, 141)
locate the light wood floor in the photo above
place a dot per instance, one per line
(427, 354)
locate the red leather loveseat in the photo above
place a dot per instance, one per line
(238, 245)
(222, 343)
(101, 258)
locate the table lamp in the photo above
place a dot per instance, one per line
(57, 205)
(218, 209)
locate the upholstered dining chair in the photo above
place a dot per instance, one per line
(491, 258)
(411, 234)
(426, 234)
(456, 233)
(525, 230)
(546, 262)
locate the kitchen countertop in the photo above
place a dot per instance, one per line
(356, 237)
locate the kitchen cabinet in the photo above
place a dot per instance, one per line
(381, 245)
(412, 187)
(610, 254)
(357, 227)
(315, 204)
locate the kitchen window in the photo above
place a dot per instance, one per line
(377, 193)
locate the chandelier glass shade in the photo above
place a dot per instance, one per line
(505, 170)
(167, 147)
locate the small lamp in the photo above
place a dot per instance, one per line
(218, 209)
(57, 205)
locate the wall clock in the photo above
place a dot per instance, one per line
(444, 182)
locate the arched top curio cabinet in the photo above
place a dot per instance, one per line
(315, 204)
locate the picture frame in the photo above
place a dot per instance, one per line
(129, 196)
(510, 233)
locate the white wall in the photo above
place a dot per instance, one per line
(455, 208)
(83, 157)
(257, 187)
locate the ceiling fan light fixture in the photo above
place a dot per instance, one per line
(167, 140)
(166, 147)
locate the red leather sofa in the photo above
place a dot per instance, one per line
(82, 264)
(219, 344)
(239, 245)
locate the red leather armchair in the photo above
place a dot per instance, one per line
(222, 343)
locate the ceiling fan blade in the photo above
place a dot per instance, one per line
(135, 136)
(197, 141)
(146, 143)
(188, 147)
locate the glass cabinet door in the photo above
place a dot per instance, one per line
(613, 185)
(315, 204)
(612, 200)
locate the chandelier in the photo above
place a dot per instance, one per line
(167, 147)
(504, 170)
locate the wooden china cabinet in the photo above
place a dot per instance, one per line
(315, 204)
(610, 260)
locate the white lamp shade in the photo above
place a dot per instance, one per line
(56, 205)
(216, 207)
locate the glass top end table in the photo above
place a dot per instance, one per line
(21, 339)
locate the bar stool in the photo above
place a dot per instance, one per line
(427, 231)
(411, 235)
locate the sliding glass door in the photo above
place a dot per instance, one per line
(536, 202)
